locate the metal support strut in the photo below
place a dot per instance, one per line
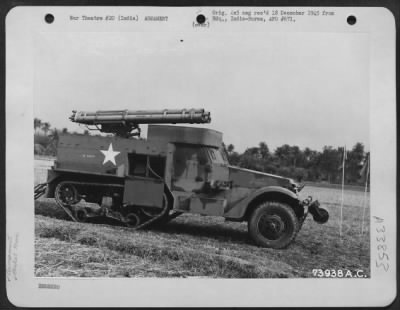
(40, 189)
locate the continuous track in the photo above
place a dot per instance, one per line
(70, 208)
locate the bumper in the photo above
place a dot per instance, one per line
(319, 215)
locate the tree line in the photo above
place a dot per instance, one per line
(304, 164)
(46, 137)
(286, 160)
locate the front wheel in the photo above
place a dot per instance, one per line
(273, 225)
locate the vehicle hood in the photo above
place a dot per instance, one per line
(241, 177)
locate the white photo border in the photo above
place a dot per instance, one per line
(22, 287)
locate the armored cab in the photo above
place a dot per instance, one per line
(175, 170)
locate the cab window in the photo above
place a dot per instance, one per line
(216, 156)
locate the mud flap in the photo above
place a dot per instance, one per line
(319, 215)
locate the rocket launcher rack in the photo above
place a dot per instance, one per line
(125, 123)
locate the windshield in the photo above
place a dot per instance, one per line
(216, 156)
(203, 154)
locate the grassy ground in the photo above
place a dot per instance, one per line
(193, 245)
(360, 188)
(198, 246)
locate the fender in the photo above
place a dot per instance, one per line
(237, 209)
(52, 175)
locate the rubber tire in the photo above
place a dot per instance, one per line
(287, 215)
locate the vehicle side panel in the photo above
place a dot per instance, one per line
(144, 192)
(85, 153)
(199, 203)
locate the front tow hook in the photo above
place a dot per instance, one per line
(319, 215)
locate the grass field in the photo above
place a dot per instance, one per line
(198, 246)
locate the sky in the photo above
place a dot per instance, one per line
(305, 89)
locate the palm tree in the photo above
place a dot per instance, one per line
(37, 123)
(46, 127)
(264, 150)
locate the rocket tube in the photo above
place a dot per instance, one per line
(192, 116)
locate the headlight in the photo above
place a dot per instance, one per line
(296, 187)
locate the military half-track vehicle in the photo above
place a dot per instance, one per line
(138, 182)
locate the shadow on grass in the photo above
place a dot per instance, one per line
(220, 232)
(194, 259)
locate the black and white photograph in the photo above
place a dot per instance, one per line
(202, 144)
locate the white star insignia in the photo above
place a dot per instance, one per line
(109, 155)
